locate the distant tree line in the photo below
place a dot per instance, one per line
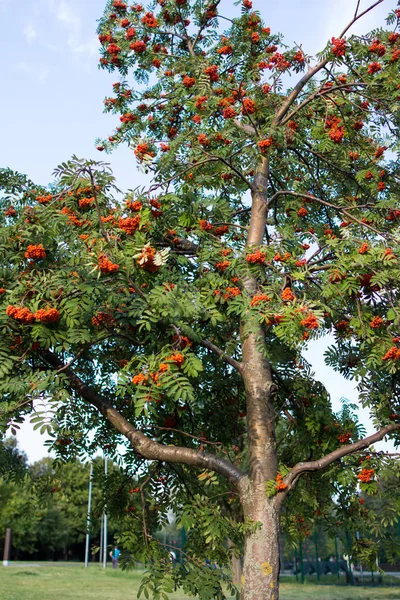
(45, 504)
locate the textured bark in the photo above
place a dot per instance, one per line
(260, 410)
(261, 559)
(256, 369)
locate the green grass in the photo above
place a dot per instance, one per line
(292, 591)
(63, 581)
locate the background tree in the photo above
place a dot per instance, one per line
(13, 462)
(180, 314)
(47, 507)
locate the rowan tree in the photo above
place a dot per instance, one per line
(177, 317)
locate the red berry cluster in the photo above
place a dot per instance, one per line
(366, 475)
(47, 315)
(376, 322)
(102, 319)
(287, 295)
(338, 46)
(392, 354)
(44, 199)
(23, 315)
(256, 257)
(222, 265)
(259, 298)
(264, 144)
(310, 322)
(35, 252)
(129, 224)
(106, 265)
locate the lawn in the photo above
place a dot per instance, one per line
(58, 581)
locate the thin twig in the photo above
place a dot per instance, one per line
(71, 362)
(222, 354)
(101, 224)
(325, 203)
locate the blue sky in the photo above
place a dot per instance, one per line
(52, 100)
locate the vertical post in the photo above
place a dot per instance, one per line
(348, 544)
(361, 567)
(89, 511)
(7, 548)
(316, 554)
(295, 565)
(301, 562)
(105, 520)
(101, 539)
(337, 556)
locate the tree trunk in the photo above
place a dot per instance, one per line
(261, 557)
(261, 554)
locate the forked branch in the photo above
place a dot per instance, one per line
(339, 209)
(313, 71)
(147, 447)
(325, 461)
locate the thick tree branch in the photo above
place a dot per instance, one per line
(180, 245)
(325, 461)
(147, 447)
(256, 369)
(311, 72)
(245, 127)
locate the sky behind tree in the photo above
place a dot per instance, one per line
(52, 93)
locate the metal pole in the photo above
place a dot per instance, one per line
(101, 539)
(295, 565)
(105, 521)
(316, 554)
(301, 562)
(7, 548)
(361, 567)
(89, 511)
(337, 556)
(348, 544)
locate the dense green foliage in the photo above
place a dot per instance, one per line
(148, 297)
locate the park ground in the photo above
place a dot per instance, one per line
(55, 581)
